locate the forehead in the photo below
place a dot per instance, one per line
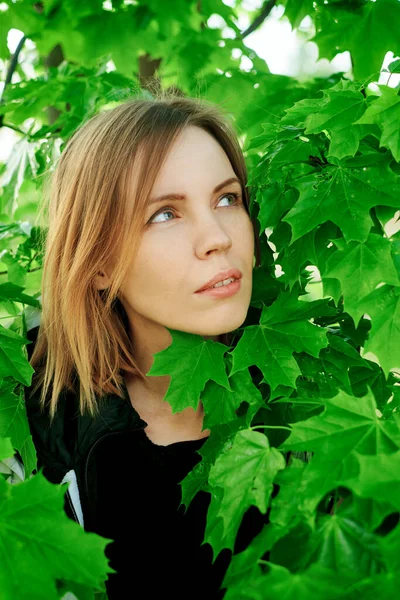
(195, 158)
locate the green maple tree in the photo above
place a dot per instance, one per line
(303, 408)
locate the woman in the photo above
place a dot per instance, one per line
(148, 206)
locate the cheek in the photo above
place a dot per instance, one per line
(246, 238)
(157, 266)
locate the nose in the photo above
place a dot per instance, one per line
(211, 236)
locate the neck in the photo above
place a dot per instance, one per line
(149, 338)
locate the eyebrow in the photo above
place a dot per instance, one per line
(219, 187)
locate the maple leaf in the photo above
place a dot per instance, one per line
(12, 360)
(220, 404)
(14, 424)
(343, 545)
(6, 449)
(296, 255)
(367, 31)
(347, 424)
(41, 544)
(280, 583)
(342, 355)
(383, 306)
(219, 438)
(368, 511)
(21, 166)
(10, 291)
(296, 10)
(284, 328)
(274, 202)
(341, 107)
(385, 112)
(343, 194)
(245, 472)
(297, 115)
(285, 512)
(360, 267)
(390, 546)
(377, 477)
(244, 565)
(203, 361)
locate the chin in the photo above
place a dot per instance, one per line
(224, 325)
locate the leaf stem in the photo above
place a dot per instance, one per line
(270, 427)
(265, 10)
(14, 128)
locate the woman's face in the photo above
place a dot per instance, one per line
(186, 242)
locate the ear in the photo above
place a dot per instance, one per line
(102, 281)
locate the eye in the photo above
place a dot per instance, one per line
(163, 211)
(233, 195)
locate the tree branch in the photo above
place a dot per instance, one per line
(11, 69)
(266, 9)
(14, 61)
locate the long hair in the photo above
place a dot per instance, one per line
(93, 215)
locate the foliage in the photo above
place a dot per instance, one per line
(314, 370)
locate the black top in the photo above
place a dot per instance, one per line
(130, 493)
(157, 553)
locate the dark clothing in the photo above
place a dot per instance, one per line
(158, 539)
(128, 491)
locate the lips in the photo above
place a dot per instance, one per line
(220, 277)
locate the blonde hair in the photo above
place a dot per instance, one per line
(93, 216)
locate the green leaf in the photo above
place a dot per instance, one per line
(360, 267)
(285, 512)
(14, 424)
(348, 424)
(244, 565)
(245, 472)
(344, 194)
(10, 291)
(377, 478)
(297, 115)
(343, 105)
(280, 583)
(368, 511)
(296, 10)
(6, 449)
(220, 404)
(274, 202)
(203, 362)
(394, 66)
(390, 546)
(43, 544)
(383, 306)
(12, 360)
(383, 586)
(342, 354)
(284, 328)
(219, 439)
(385, 112)
(21, 165)
(367, 30)
(344, 546)
(294, 257)
(5, 26)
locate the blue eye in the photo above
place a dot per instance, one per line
(234, 195)
(162, 212)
